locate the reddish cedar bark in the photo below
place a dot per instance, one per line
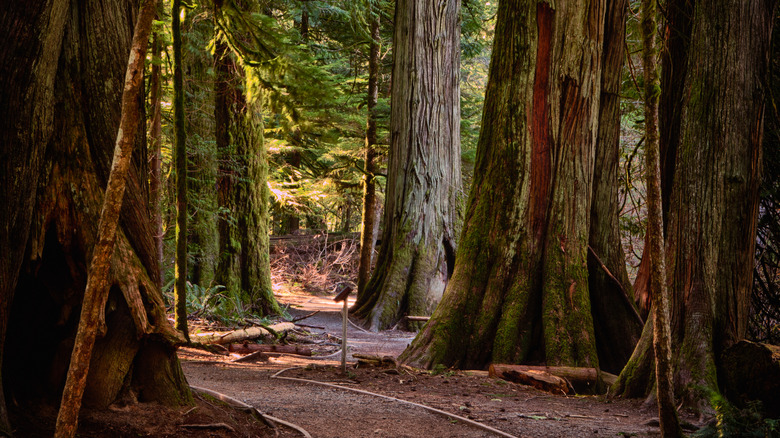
(519, 291)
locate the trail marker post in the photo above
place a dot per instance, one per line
(342, 296)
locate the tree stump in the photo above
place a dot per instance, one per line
(751, 371)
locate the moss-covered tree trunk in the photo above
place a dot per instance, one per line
(519, 292)
(617, 325)
(368, 228)
(227, 273)
(713, 203)
(424, 184)
(60, 115)
(202, 162)
(244, 264)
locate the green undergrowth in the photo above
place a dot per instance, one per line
(731, 421)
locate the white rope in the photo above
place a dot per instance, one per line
(239, 403)
(387, 397)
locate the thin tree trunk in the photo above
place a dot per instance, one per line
(180, 160)
(98, 284)
(422, 214)
(368, 229)
(667, 411)
(155, 143)
(519, 292)
(617, 325)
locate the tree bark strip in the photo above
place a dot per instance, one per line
(667, 410)
(180, 161)
(97, 280)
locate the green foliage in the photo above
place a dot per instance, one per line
(734, 422)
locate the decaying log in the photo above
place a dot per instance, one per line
(253, 348)
(377, 361)
(574, 376)
(751, 371)
(241, 335)
(539, 379)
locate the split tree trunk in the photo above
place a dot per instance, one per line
(60, 116)
(368, 229)
(617, 324)
(715, 193)
(519, 292)
(424, 183)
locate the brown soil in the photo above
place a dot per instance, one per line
(337, 412)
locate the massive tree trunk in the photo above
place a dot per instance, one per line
(713, 203)
(244, 264)
(368, 228)
(65, 65)
(424, 183)
(616, 322)
(519, 292)
(201, 153)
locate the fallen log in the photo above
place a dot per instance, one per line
(582, 379)
(253, 348)
(537, 378)
(241, 335)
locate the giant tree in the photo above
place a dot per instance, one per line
(62, 75)
(710, 229)
(519, 291)
(424, 185)
(244, 261)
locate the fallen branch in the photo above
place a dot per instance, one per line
(301, 318)
(241, 335)
(267, 419)
(252, 348)
(209, 426)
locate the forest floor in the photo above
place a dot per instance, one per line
(335, 411)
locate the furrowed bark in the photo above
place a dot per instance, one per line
(715, 193)
(423, 189)
(97, 280)
(519, 290)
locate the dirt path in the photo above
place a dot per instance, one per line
(331, 412)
